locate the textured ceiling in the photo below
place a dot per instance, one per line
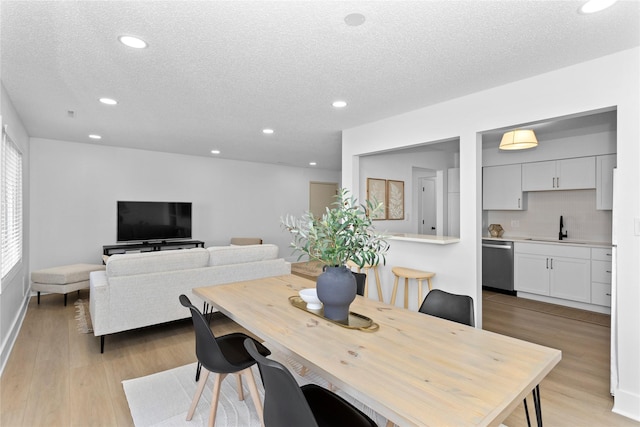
(217, 72)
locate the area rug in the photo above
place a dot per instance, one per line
(83, 317)
(163, 399)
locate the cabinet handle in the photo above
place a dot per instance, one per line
(608, 271)
(518, 202)
(558, 182)
(553, 180)
(608, 295)
(547, 263)
(551, 263)
(608, 254)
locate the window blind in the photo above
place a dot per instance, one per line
(11, 204)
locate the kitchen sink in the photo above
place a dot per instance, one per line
(553, 241)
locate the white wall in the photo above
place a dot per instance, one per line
(74, 189)
(14, 289)
(610, 81)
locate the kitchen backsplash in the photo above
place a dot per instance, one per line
(542, 218)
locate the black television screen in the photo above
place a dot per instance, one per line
(142, 221)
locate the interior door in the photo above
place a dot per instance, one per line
(428, 220)
(321, 196)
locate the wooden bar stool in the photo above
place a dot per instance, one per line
(366, 268)
(410, 273)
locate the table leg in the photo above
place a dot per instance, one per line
(538, 404)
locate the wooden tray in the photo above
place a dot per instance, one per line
(355, 320)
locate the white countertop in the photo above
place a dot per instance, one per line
(548, 241)
(424, 238)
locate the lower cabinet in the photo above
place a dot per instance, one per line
(570, 278)
(553, 270)
(601, 272)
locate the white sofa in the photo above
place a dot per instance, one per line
(138, 290)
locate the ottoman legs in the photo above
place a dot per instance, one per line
(65, 298)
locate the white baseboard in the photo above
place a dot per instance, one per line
(10, 340)
(626, 404)
(566, 303)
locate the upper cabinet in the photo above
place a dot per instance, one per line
(604, 181)
(565, 174)
(502, 187)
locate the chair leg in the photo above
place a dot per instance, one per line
(375, 270)
(395, 290)
(217, 385)
(196, 397)
(253, 390)
(38, 297)
(366, 285)
(406, 292)
(239, 384)
(65, 300)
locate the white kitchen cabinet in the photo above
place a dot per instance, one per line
(601, 276)
(570, 278)
(560, 271)
(565, 174)
(604, 181)
(531, 273)
(502, 187)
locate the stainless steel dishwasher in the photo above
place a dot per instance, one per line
(497, 265)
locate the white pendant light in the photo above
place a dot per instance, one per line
(519, 139)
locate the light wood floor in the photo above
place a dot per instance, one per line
(56, 376)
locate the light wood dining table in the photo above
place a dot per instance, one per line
(415, 369)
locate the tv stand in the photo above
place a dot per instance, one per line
(150, 246)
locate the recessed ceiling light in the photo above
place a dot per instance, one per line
(312, 163)
(354, 19)
(339, 104)
(215, 151)
(593, 6)
(94, 136)
(267, 131)
(108, 101)
(133, 42)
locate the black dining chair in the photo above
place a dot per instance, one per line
(361, 281)
(222, 355)
(287, 404)
(457, 308)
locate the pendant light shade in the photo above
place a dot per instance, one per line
(519, 139)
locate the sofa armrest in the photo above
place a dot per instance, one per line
(99, 301)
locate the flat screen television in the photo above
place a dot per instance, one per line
(144, 221)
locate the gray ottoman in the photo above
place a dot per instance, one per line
(64, 279)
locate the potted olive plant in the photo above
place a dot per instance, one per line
(344, 233)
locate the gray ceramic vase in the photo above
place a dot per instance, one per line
(336, 288)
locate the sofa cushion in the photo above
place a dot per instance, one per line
(226, 255)
(65, 274)
(156, 262)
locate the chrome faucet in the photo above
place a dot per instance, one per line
(561, 235)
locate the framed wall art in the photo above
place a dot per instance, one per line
(395, 199)
(377, 193)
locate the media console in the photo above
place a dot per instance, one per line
(151, 246)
